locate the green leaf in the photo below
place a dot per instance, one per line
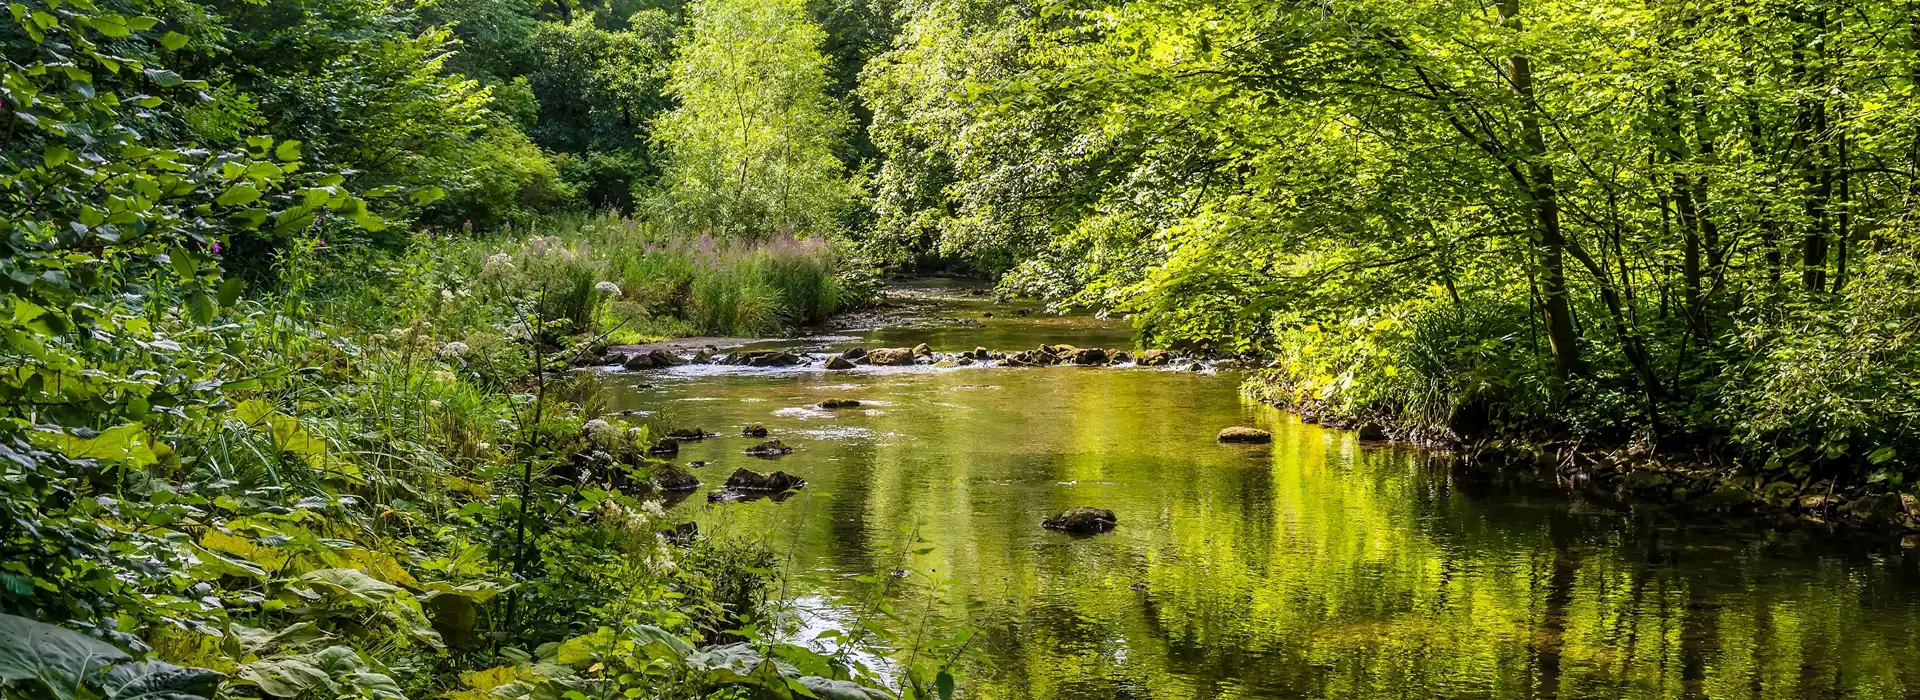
(230, 292)
(201, 307)
(352, 584)
(238, 195)
(163, 78)
(287, 150)
(159, 680)
(943, 683)
(57, 658)
(173, 40)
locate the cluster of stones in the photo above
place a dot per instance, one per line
(1042, 356)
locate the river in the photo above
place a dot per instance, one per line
(1314, 567)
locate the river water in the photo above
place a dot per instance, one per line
(1314, 567)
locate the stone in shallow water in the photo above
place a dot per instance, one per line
(671, 478)
(1082, 520)
(770, 447)
(750, 480)
(891, 356)
(1245, 435)
(755, 430)
(839, 403)
(838, 363)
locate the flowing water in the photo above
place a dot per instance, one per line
(1313, 567)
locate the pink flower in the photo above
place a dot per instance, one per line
(216, 248)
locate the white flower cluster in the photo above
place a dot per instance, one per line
(453, 349)
(607, 289)
(498, 265)
(601, 431)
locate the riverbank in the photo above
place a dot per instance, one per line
(1698, 484)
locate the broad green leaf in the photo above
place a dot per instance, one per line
(56, 658)
(353, 585)
(158, 680)
(238, 195)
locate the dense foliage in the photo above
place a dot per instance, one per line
(283, 408)
(1682, 225)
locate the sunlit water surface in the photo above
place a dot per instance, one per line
(1313, 567)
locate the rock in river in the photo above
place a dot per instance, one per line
(839, 403)
(671, 479)
(750, 480)
(1372, 432)
(1152, 358)
(922, 350)
(770, 447)
(891, 356)
(755, 430)
(838, 362)
(1244, 434)
(1083, 520)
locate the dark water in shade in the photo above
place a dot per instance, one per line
(1313, 567)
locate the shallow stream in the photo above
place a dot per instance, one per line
(1313, 567)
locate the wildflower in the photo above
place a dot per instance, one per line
(434, 404)
(653, 508)
(484, 446)
(446, 295)
(607, 289)
(453, 349)
(215, 248)
(600, 430)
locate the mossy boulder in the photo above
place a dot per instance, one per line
(1082, 521)
(1245, 435)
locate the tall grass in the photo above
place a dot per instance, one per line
(715, 287)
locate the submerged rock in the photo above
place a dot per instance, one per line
(839, 363)
(665, 446)
(638, 361)
(1245, 435)
(770, 447)
(756, 430)
(750, 480)
(838, 403)
(1082, 520)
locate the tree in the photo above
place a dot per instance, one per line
(751, 145)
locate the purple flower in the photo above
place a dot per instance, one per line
(216, 248)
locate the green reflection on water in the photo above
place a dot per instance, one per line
(1308, 568)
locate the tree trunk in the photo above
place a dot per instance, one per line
(1550, 239)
